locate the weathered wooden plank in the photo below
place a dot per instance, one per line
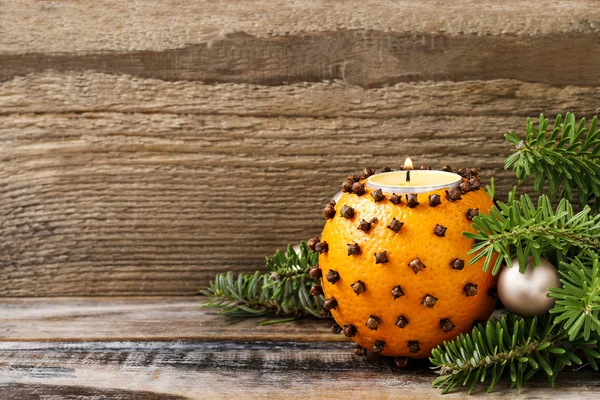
(98, 25)
(365, 58)
(117, 203)
(88, 92)
(142, 318)
(41, 391)
(249, 370)
(307, 41)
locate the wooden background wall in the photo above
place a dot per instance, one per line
(145, 146)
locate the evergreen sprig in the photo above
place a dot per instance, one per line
(520, 229)
(512, 346)
(283, 291)
(578, 300)
(567, 158)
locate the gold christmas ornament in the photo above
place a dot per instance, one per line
(527, 294)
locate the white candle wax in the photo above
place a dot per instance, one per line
(421, 181)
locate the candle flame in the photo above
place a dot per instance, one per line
(408, 164)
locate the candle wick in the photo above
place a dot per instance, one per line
(408, 175)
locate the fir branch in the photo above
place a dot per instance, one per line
(520, 229)
(283, 291)
(567, 158)
(513, 346)
(578, 301)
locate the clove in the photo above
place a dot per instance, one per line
(470, 289)
(373, 322)
(453, 194)
(411, 200)
(434, 200)
(358, 287)
(358, 188)
(464, 187)
(347, 185)
(349, 330)
(475, 183)
(329, 211)
(472, 213)
(316, 290)
(367, 172)
(429, 301)
(440, 230)
(401, 322)
(330, 304)
(397, 292)
(322, 247)
(312, 242)
(457, 264)
(413, 346)
(347, 212)
(315, 272)
(395, 225)
(377, 195)
(416, 265)
(395, 199)
(353, 249)
(360, 351)
(364, 226)
(381, 258)
(332, 276)
(446, 325)
(378, 346)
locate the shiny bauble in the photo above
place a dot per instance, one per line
(527, 294)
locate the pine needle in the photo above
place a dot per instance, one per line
(283, 291)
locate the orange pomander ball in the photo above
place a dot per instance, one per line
(395, 269)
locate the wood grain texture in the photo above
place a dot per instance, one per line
(364, 58)
(111, 25)
(138, 204)
(142, 318)
(90, 92)
(42, 391)
(234, 370)
(146, 146)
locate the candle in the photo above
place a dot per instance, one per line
(419, 181)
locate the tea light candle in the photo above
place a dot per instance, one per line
(420, 181)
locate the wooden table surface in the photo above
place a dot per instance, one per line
(169, 348)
